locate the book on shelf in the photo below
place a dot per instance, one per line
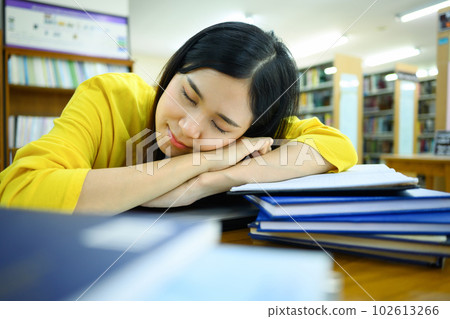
(313, 77)
(360, 178)
(424, 251)
(376, 83)
(25, 129)
(55, 72)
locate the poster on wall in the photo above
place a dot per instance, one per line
(47, 27)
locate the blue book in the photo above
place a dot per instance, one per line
(48, 256)
(372, 247)
(411, 200)
(146, 257)
(425, 223)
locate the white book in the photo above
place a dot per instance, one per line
(13, 70)
(18, 131)
(20, 66)
(35, 130)
(359, 176)
(51, 79)
(66, 79)
(31, 75)
(102, 68)
(47, 125)
(11, 131)
(89, 69)
(23, 128)
(39, 72)
(28, 130)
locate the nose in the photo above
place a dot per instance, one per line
(190, 126)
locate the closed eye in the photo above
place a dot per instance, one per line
(183, 92)
(218, 128)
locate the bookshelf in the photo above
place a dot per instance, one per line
(32, 98)
(426, 115)
(333, 93)
(442, 121)
(390, 113)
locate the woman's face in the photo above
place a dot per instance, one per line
(204, 109)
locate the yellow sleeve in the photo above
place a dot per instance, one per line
(334, 146)
(104, 112)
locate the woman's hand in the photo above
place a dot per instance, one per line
(216, 180)
(235, 152)
(204, 185)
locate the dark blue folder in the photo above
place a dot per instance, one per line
(45, 256)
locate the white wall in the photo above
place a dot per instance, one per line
(148, 67)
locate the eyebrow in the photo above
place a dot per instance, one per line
(222, 116)
(228, 120)
(194, 87)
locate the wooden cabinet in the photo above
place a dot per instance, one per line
(39, 84)
(390, 113)
(333, 93)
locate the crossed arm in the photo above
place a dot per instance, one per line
(182, 181)
(287, 161)
(113, 190)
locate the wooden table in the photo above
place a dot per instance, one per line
(371, 279)
(430, 166)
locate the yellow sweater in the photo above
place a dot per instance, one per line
(104, 112)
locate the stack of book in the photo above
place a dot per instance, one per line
(369, 210)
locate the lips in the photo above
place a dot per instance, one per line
(174, 140)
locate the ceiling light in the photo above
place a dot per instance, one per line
(330, 70)
(391, 56)
(432, 8)
(319, 44)
(391, 77)
(422, 73)
(433, 71)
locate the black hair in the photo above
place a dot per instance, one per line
(243, 51)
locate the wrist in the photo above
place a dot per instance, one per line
(236, 175)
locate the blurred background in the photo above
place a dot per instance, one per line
(313, 30)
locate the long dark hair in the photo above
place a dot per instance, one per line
(243, 51)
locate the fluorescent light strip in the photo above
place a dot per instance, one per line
(330, 70)
(423, 73)
(319, 44)
(391, 77)
(391, 56)
(423, 12)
